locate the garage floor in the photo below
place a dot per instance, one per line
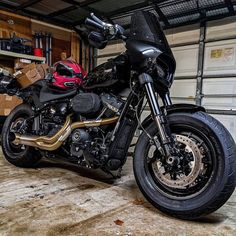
(59, 199)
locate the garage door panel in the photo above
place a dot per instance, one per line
(220, 58)
(219, 103)
(184, 88)
(221, 29)
(181, 100)
(114, 48)
(220, 90)
(183, 35)
(186, 60)
(219, 86)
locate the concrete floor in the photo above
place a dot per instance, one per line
(59, 199)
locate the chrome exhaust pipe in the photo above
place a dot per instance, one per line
(54, 142)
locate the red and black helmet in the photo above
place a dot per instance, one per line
(68, 74)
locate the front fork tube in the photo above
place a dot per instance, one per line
(159, 118)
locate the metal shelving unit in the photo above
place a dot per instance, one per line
(8, 54)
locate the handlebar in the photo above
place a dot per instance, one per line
(97, 19)
(109, 31)
(95, 24)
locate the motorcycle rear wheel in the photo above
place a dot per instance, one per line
(209, 161)
(18, 155)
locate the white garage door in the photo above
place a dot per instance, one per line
(186, 60)
(220, 58)
(219, 83)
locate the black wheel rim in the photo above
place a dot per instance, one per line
(15, 150)
(210, 165)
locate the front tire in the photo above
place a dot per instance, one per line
(20, 155)
(214, 181)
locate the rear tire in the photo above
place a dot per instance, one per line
(21, 156)
(217, 188)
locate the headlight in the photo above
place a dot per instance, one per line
(165, 71)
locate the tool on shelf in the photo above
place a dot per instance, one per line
(16, 44)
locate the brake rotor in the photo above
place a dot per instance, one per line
(182, 180)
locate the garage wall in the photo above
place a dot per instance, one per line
(10, 23)
(64, 40)
(61, 41)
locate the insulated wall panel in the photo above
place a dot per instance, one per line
(220, 58)
(183, 89)
(221, 29)
(184, 100)
(221, 91)
(113, 48)
(183, 35)
(186, 60)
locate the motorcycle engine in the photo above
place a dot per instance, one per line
(91, 143)
(111, 104)
(54, 117)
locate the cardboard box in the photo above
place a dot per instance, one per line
(20, 63)
(26, 76)
(5, 111)
(29, 78)
(31, 74)
(42, 69)
(8, 103)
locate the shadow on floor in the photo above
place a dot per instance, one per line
(95, 174)
(98, 175)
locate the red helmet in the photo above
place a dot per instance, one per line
(68, 74)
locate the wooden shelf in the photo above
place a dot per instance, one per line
(20, 55)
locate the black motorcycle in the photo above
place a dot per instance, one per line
(184, 159)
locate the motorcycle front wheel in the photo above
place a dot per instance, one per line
(203, 178)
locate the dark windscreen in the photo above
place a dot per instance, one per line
(145, 27)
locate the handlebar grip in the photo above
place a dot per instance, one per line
(94, 24)
(96, 19)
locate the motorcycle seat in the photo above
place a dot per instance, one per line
(49, 94)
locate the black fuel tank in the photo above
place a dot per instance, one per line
(113, 74)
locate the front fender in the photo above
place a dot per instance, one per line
(182, 107)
